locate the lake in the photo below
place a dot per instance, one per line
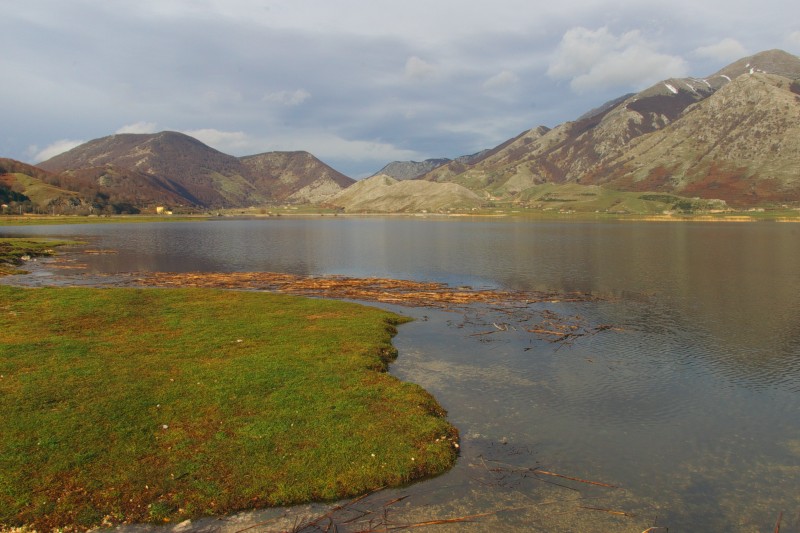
(689, 402)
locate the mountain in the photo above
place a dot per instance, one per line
(295, 176)
(742, 145)
(383, 193)
(730, 135)
(164, 167)
(174, 168)
(410, 170)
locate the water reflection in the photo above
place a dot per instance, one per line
(692, 406)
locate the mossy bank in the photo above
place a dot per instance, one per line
(130, 405)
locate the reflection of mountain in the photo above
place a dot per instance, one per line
(722, 294)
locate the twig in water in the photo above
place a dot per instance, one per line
(579, 480)
(609, 511)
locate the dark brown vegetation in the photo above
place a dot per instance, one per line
(403, 292)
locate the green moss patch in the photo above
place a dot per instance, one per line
(161, 405)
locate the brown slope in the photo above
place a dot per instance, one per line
(166, 164)
(294, 176)
(741, 145)
(121, 185)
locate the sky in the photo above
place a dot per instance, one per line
(356, 83)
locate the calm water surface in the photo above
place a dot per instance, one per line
(691, 404)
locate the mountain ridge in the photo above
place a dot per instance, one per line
(731, 135)
(596, 147)
(176, 168)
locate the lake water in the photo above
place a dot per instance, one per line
(690, 403)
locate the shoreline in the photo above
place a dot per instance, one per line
(782, 216)
(395, 292)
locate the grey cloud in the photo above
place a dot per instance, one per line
(453, 83)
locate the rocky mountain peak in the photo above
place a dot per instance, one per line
(769, 62)
(409, 170)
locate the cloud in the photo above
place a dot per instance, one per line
(502, 80)
(326, 146)
(365, 77)
(139, 127)
(725, 50)
(56, 148)
(229, 142)
(598, 59)
(288, 98)
(330, 146)
(419, 69)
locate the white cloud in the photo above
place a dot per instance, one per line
(326, 146)
(725, 50)
(502, 80)
(139, 127)
(419, 69)
(288, 98)
(329, 146)
(56, 148)
(794, 39)
(230, 142)
(598, 59)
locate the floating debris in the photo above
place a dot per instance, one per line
(393, 291)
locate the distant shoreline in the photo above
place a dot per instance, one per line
(766, 216)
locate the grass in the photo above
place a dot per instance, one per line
(132, 405)
(14, 251)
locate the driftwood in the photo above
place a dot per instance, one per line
(579, 480)
(535, 471)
